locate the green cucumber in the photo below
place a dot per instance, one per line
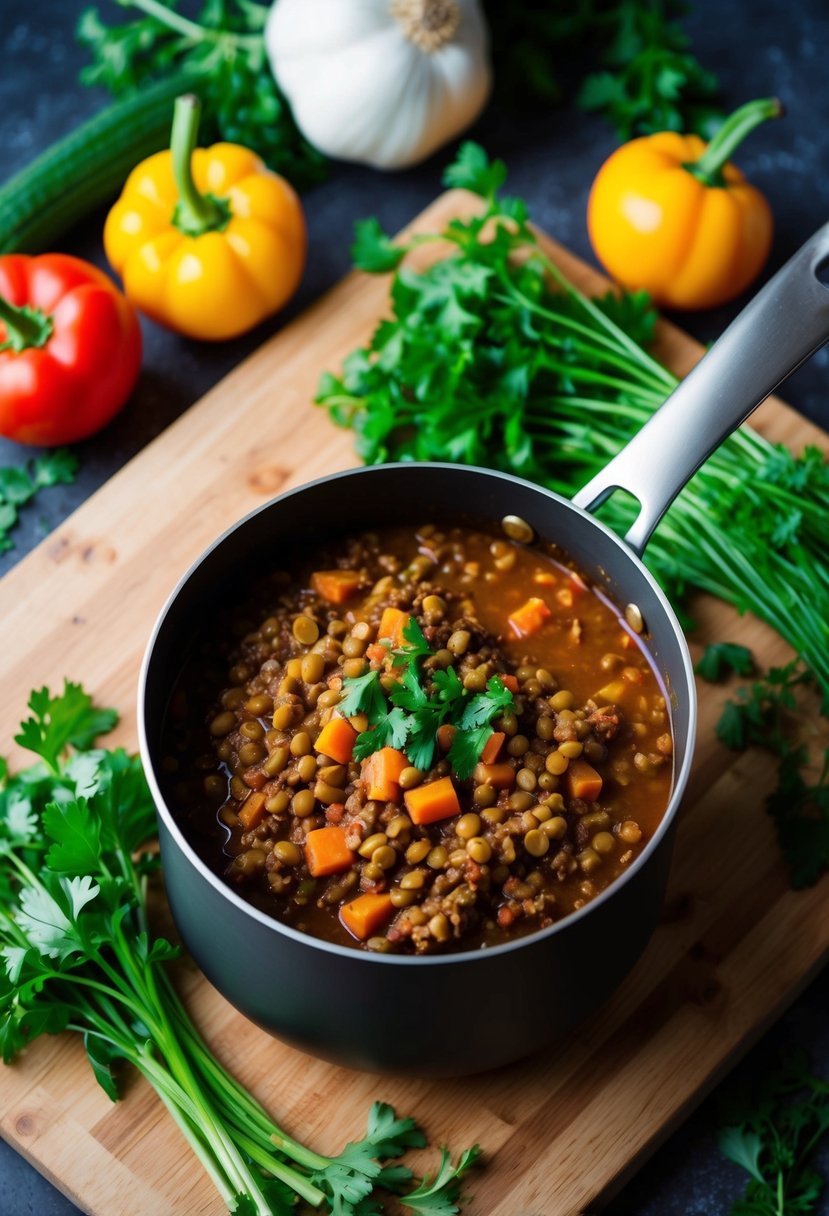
(88, 167)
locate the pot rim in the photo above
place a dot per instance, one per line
(460, 957)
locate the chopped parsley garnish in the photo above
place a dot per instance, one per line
(407, 715)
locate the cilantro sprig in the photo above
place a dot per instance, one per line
(419, 708)
(77, 848)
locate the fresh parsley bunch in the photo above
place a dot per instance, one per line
(419, 710)
(77, 952)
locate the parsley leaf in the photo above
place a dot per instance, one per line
(76, 836)
(485, 706)
(391, 731)
(771, 1132)
(417, 648)
(438, 1196)
(719, 658)
(374, 251)
(762, 715)
(19, 484)
(363, 695)
(466, 749)
(473, 170)
(57, 722)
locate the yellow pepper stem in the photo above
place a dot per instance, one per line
(708, 168)
(195, 212)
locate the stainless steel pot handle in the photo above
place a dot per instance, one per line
(785, 323)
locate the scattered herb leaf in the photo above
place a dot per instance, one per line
(720, 658)
(762, 715)
(19, 485)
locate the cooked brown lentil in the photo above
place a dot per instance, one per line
(525, 849)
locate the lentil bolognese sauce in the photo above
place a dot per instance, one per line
(421, 740)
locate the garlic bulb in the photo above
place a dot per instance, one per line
(382, 82)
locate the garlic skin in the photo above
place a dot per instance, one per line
(380, 82)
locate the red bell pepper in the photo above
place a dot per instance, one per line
(70, 349)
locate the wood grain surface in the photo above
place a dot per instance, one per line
(561, 1131)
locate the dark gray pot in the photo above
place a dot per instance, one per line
(442, 1015)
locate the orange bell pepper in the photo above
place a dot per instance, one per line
(670, 214)
(207, 242)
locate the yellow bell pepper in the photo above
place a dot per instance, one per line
(669, 214)
(207, 241)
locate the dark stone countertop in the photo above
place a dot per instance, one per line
(758, 48)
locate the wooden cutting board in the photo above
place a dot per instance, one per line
(735, 945)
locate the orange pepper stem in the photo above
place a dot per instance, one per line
(708, 168)
(25, 327)
(195, 213)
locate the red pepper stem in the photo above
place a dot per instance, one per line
(25, 326)
(732, 132)
(195, 213)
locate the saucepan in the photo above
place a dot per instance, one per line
(458, 1013)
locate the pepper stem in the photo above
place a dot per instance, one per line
(708, 168)
(195, 213)
(25, 326)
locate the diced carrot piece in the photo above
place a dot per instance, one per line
(364, 915)
(509, 682)
(582, 780)
(336, 586)
(392, 623)
(429, 803)
(253, 811)
(500, 776)
(376, 652)
(336, 739)
(326, 851)
(529, 618)
(445, 735)
(492, 747)
(381, 774)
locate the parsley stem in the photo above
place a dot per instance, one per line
(192, 30)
